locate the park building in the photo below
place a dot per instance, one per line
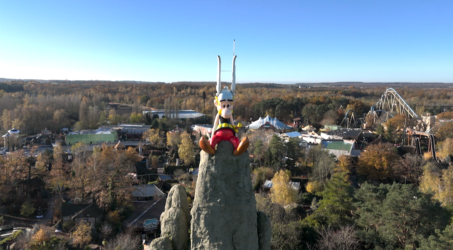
(108, 133)
(11, 137)
(269, 123)
(179, 114)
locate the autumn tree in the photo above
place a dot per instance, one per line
(40, 236)
(358, 107)
(136, 118)
(438, 182)
(281, 191)
(82, 234)
(186, 148)
(173, 139)
(445, 115)
(155, 137)
(344, 164)
(444, 131)
(409, 168)
(377, 161)
(398, 122)
(445, 149)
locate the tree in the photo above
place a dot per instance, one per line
(275, 151)
(409, 168)
(377, 161)
(396, 216)
(323, 164)
(186, 148)
(260, 175)
(440, 240)
(293, 152)
(155, 137)
(173, 139)
(445, 150)
(136, 118)
(154, 124)
(40, 236)
(281, 192)
(438, 183)
(445, 130)
(380, 130)
(336, 205)
(340, 239)
(398, 122)
(82, 234)
(258, 151)
(204, 99)
(125, 241)
(358, 107)
(27, 209)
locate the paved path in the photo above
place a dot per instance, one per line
(50, 208)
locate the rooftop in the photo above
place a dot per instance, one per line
(147, 191)
(337, 145)
(145, 211)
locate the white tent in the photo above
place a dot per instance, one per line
(268, 122)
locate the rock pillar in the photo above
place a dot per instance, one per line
(224, 215)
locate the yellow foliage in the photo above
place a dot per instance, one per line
(114, 217)
(281, 191)
(82, 234)
(397, 122)
(313, 187)
(446, 148)
(377, 161)
(173, 139)
(186, 148)
(343, 164)
(40, 236)
(427, 156)
(444, 131)
(438, 184)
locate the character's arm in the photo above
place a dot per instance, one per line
(216, 123)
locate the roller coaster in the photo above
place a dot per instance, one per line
(390, 104)
(350, 122)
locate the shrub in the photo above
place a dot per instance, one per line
(27, 209)
(68, 225)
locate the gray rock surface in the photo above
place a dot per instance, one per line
(224, 213)
(162, 243)
(177, 197)
(264, 231)
(174, 220)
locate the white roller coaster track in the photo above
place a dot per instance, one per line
(391, 101)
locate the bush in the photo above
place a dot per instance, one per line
(68, 225)
(27, 209)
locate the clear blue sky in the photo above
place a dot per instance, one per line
(276, 41)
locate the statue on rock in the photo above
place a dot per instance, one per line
(224, 128)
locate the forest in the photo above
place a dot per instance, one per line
(33, 105)
(384, 199)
